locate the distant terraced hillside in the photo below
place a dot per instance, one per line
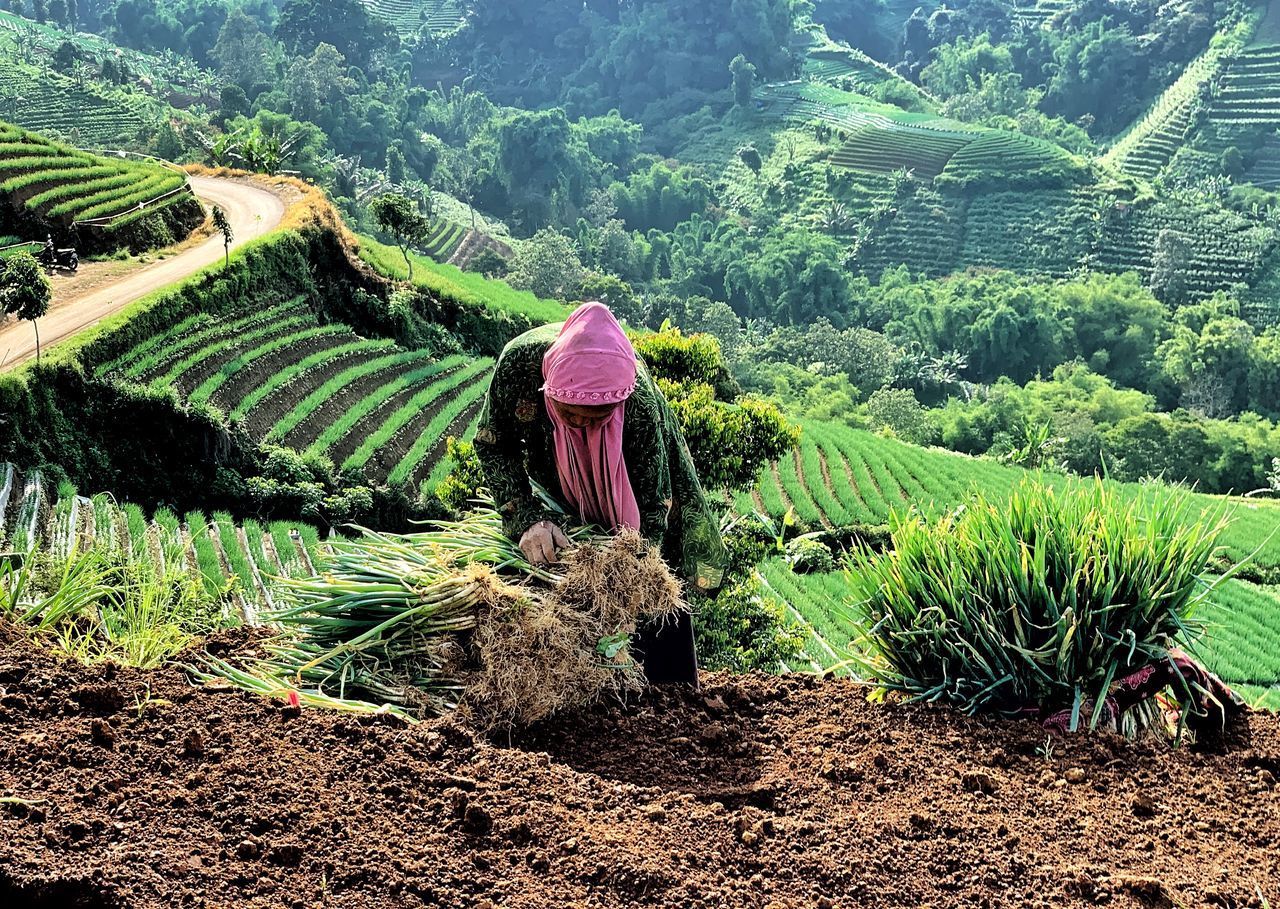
(1150, 144)
(50, 188)
(939, 196)
(409, 17)
(880, 138)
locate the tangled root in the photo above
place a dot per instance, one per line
(541, 653)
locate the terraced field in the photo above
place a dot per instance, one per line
(842, 476)
(444, 240)
(53, 184)
(289, 379)
(237, 562)
(880, 138)
(1226, 248)
(408, 17)
(42, 100)
(842, 65)
(1147, 147)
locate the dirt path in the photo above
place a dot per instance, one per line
(101, 289)
(125, 790)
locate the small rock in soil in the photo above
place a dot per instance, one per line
(102, 733)
(476, 821)
(978, 781)
(1143, 806)
(1075, 775)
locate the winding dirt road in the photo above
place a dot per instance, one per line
(97, 292)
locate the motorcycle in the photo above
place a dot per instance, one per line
(52, 257)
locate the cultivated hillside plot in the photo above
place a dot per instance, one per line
(291, 380)
(409, 17)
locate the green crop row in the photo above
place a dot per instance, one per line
(146, 191)
(242, 361)
(229, 345)
(435, 430)
(331, 386)
(189, 336)
(885, 474)
(369, 403)
(110, 180)
(315, 361)
(87, 199)
(420, 401)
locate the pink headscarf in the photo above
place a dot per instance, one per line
(592, 363)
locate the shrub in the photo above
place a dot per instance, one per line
(743, 629)
(1039, 601)
(806, 555)
(464, 478)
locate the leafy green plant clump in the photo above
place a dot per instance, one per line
(1041, 600)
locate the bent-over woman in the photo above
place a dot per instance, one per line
(572, 408)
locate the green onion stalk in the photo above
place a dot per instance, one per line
(379, 623)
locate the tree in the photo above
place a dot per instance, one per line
(25, 292)
(243, 53)
(395, 165)
(222, 225)
(65, 57)
(548, 265)
(399, 217)
(898, 410)
(344, 24)
(1168, 267)
(744, 80)
(750, 156)
(58, 12)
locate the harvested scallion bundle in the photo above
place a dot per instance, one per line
(418, 620)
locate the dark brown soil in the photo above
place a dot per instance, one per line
(267, 412)
(141, 791)
(334, 407)
(233, 391)
(172, 355)
(214, 361)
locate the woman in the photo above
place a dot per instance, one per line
(572, 409)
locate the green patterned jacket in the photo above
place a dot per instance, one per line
(514, 445)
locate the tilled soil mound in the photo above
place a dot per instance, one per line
(128, 789)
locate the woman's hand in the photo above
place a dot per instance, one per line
(541, 543)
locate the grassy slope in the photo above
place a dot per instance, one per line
(466, 287)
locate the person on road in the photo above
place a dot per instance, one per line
(573, 410)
